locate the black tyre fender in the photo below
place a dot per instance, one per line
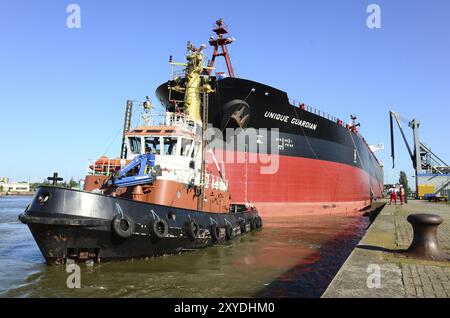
(254, 223)
(243, 227)
(159, 228)
(229, 232)
(260, 222)
(123, 226)
(215, 232)
(193, 230)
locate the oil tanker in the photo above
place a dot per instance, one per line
(296, 160)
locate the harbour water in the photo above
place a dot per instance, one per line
(287, 258)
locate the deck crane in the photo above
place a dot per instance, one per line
(425, 161)
(136, 172)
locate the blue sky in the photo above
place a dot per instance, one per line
(63, 91)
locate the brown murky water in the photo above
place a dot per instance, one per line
(287, 258)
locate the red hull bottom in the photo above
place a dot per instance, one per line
(299, 209)
(300, 186)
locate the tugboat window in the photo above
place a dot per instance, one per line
(170, 146)
(196, 147)
(135, 144)
(153, 144)
(185, 146)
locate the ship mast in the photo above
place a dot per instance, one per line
(201, 198)
(196, 91)
(220, 41)
(195, 82)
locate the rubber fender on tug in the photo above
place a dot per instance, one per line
(243, 226)
(192, 230)
(260, 222)
(159, 228)
(123, 226)
(215, 232)
(229, 232)
(254, 223)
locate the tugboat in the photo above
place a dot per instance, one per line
(157, 199)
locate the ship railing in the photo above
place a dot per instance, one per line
(186, 175)
(168, 119)
(180, 120)
(152, 119)
(224, 26)
(178, 74)
(314, 110)
(215, 182)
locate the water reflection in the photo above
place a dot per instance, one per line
(287, 258)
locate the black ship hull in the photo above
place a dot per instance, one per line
(70, 224)
(241, 103)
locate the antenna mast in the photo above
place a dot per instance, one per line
(220, 29)
(126, 127)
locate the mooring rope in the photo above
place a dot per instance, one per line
(362, 164)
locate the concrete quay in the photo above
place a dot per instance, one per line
(377, 269)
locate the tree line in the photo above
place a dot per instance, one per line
(71, 184)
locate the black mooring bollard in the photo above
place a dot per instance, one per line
(425, 244)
